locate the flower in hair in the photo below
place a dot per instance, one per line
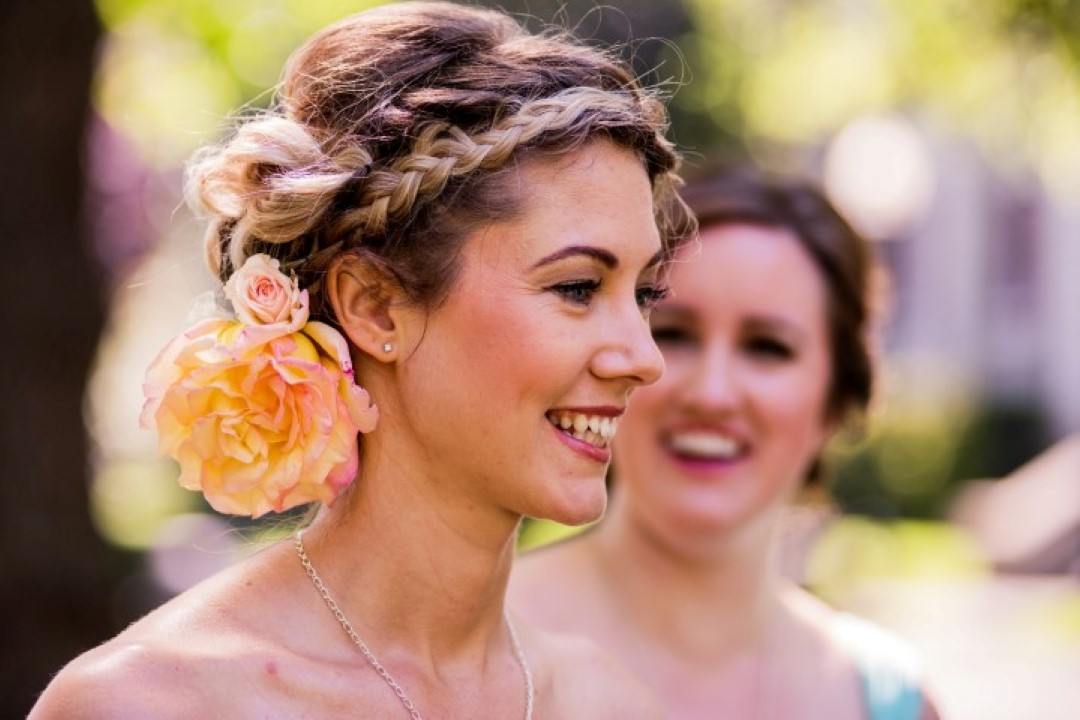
(261, 411)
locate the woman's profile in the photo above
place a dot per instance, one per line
(438, 252)
(765, 340)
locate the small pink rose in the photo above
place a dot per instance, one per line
(262, 295)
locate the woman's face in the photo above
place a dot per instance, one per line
(728, 432)
(523, 373)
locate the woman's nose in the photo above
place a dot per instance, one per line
(711, 384)
(631, 352)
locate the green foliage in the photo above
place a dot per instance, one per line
(791, 73)
(854, 550)
(536, 533)
(754, 76)
(746, 75)
(917, 456)
(170, 70)
(131, 500)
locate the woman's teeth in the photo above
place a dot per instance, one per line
(705, 446)
(596, 430)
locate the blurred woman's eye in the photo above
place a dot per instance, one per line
(671, 335)
(576, 292)
(770, 348)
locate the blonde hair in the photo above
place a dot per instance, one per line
(389, 135)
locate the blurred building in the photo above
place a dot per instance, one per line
(983, 262)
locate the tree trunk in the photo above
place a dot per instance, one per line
(56, 575)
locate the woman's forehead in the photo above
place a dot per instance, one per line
(598, 196)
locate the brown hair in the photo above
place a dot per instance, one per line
(391, 131)
(743, 196)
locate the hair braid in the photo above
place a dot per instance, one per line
(443, 152)
(390, 131)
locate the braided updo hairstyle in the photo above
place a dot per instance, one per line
(391, 133)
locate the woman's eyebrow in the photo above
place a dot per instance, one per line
(778, 324)
(604, 256)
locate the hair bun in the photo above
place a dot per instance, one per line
(271, 183)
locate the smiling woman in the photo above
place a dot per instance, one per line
(447, 236)
(547, 320)
(764, 338)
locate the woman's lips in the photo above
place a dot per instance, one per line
(595, 427)
(704, 449)
(600, 454)
(704, 445)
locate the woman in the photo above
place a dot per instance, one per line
(765, 340)
(462, 218)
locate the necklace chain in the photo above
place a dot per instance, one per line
(406, 701)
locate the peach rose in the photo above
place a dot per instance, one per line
(263, 297)
(259, 424)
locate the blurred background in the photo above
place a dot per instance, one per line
(947, 130)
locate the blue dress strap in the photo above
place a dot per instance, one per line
(889, 669)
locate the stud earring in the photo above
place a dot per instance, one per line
(387, 347)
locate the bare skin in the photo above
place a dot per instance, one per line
(226, 649)
(711, 645)
(678, 581)
(418, 552)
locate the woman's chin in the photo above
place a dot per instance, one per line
(580, 509)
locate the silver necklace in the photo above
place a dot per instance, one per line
(519, 655)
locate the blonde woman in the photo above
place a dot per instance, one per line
(447, 236)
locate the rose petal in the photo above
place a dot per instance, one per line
(332, 343)
(259, 421)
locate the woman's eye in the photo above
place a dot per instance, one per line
(578, 292)
(671, 336)
(770, 348)
(648, 296)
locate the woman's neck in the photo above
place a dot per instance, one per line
(415, 569)
(712, 603)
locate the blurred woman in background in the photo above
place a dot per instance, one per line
(765, 340)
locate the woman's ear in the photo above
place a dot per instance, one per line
(366, 299)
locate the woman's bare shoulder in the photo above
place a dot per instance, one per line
(130, 678)
(577, 679)
(191, 653)
(834, 632)
(857, 651)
